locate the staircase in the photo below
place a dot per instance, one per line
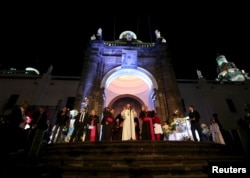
(127, 159)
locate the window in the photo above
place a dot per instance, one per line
(230, 105)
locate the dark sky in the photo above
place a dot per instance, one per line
(195, 36)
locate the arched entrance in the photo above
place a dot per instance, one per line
(134, 86)
(119, 102)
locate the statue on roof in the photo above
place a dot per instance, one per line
(99, 34)
(159, 38)
(157, 34)
(129, 37)
(49, 70)
(93, 37)
(199, 74)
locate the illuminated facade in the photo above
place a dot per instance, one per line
(128, 70)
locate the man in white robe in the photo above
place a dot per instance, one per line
(128, 131)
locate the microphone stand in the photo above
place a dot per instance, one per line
(130, 123)
(187, 127)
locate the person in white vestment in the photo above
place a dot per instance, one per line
(216, 133)
(128, 131)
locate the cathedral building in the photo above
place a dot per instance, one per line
(128, 70)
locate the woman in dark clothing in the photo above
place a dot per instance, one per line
(61, 121)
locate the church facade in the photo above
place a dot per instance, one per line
(129, 71)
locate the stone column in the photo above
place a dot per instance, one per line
(168, 86)
(88, 76)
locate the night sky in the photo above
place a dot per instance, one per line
(195, 36)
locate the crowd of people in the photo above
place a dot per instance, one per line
(86, 125)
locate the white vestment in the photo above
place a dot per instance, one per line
(128, 131)
(216, 134)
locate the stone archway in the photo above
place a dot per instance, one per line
(119, 102)
(138, 83)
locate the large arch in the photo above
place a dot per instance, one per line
(134, 82)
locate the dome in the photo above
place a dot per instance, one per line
(124, 34)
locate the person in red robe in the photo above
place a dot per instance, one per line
(157, 127)
(92, 131)
(147, 132)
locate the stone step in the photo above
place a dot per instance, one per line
(149, 159)
(116, 170)
(137, 160)
(172, 148)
